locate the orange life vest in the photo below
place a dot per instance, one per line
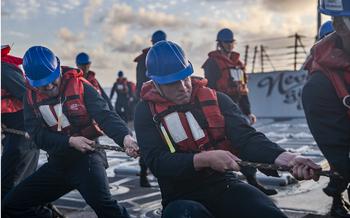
(122, 85)
(92, 79)
(10, 104)
(67, 112)
(193, 127)
(233, 79)
(132, 88)
(334, 63)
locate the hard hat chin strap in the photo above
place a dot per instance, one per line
(158, 89)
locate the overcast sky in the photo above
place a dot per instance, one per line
(114, 32)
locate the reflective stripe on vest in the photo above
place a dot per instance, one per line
(237, 75)
(51, 115)
(176, 129)
(197, 131)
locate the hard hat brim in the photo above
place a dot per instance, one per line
(84, 63)
(173, 77)
(47, 80)
(334, 13)
(226, 41)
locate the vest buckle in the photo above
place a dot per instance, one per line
(156, 119)
(346, 101)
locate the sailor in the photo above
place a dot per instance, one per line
(63, 114)
(226, 73)
(83, 62)
(19, 157)
(141, 78)
(326, 100)
(121, 87)
(193, 137)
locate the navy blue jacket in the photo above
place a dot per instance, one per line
(325, 113)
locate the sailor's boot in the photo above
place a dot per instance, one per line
(251, 179)
(143, 177)
(347, 202)
(56, 213)
(339, 209)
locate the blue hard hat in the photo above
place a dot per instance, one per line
(225, 35)
(157, 36)
(166, 63)
(41, 66)
(325, 29)
(120, 74)
(82, 59)
(335, 8)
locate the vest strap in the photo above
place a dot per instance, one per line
(175, 108)
(340, 88)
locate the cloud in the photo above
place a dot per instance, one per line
(151, 19)
(68, 36)
(115, 35)
(259, 22)
(23, 9)
(100, 58)
(66, 53)
(69, 45)
(106, 64)
(117, 22)
(60, 7)
(124, 14)
(288, 6)
(90, 9)
(136, 44)
(18, 34)
(129, 65)
(53, 8)
(103, 63)
(71, 4)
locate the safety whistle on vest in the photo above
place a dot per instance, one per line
(59, 124)
(59, 118)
